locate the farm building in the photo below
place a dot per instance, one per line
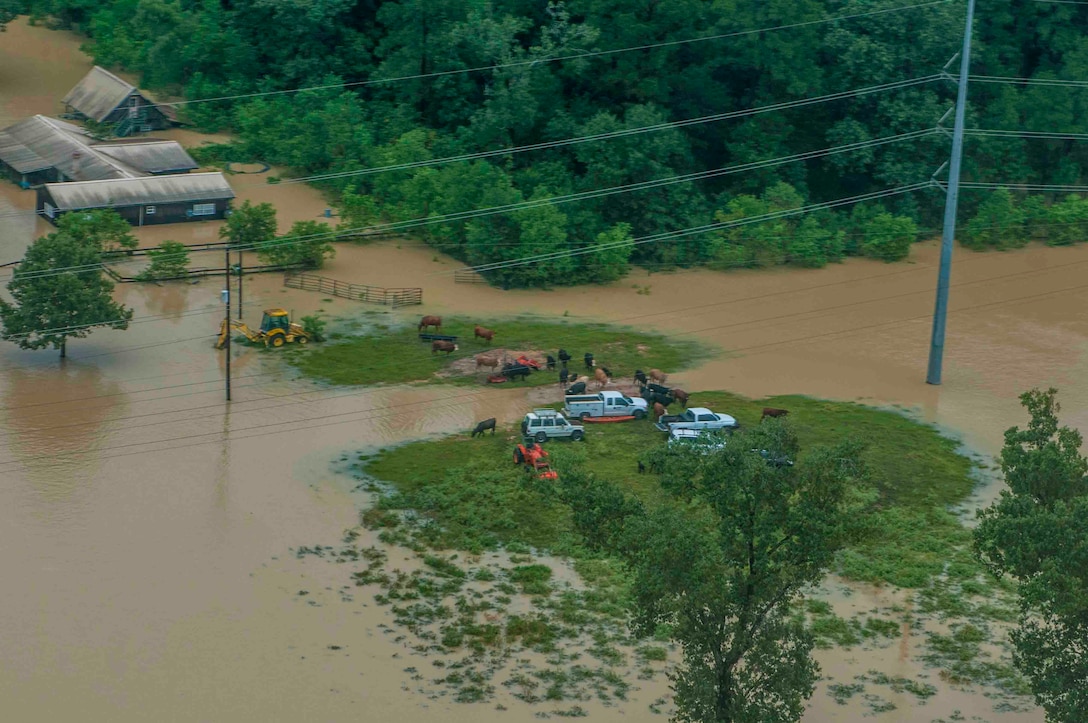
(104, 98)
(43, 150)
(143, 200)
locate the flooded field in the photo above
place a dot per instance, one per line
(149, 531)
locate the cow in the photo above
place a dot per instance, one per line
(658, 376)
(577, 388)
(513, 371)
(564, 376)
(659, 410)
(681, 396)
(551, 362)
(481, 333)
(640, 378)
(484, 360)
(589, 361)
(483, 427)
(641, 467)
(773, 413)
(446, 346)
(601, 377)
(564, 357)
(428, 321)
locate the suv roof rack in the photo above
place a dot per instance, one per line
(545, 413)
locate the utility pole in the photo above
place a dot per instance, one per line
(226, 319)
(940, 311)
(240, 274)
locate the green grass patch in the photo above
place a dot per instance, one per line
(478, 498)
(396, 355)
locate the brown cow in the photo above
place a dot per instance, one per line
(773, 413)
(601, 377)
(446, 346)
(658, 376)
(487, 361)
(659, 410)
(483, 333)
(428, 321)
(681, 396)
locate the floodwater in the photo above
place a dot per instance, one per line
(148, 529)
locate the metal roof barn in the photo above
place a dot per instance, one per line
(27, 145)
(151, 190)
(99, 94)
(151, 156)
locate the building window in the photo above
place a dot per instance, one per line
(203, 209)
(150, 210)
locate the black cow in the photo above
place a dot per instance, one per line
(564, 356)
(578, 388)
(484, 426)
(551, 362)
(653, 393)
(589, 361)
(513, 371)
(564, 375)
(640, 378)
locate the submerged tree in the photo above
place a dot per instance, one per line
(1037, 533)
(250, 225)
(169, 261)
(723, 570)
(59, 292)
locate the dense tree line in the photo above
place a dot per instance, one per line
(210, 49)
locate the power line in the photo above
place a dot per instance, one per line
(1047, 135)
(561, 58)
(1028, 81)
(293, 425)
(526, 205)
(625, 132)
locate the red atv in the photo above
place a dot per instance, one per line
(535, 459)
(527, 362)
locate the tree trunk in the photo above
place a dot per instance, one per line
(723, 705)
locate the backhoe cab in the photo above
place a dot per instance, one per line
(276, 329)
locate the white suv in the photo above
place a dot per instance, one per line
(544, 424)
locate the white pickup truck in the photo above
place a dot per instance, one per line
(604, 404)
(696, 418)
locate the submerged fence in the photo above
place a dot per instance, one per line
(357, 292)
(468, 277)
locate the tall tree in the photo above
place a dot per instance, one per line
(1037, 533)
(724, 569)
(250, 225)
(103, 229)
(50, 306)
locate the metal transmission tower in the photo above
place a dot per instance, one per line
(940, 312)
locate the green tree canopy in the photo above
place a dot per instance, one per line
(103, 229)
(308, 243)
(169, 261)
(723, 570)
(50, 307)
(1037, 533)
(250, 225)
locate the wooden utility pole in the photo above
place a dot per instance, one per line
(226, 319)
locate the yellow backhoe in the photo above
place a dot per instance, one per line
(276, 329)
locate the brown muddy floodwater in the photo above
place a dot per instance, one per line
(148, 531)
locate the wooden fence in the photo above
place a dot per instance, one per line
(357, 292)
(468, 277)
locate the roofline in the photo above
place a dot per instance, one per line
(131, 87)
(142, 178)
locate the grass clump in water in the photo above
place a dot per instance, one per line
(397, 355)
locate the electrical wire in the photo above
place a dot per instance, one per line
(1028, 81)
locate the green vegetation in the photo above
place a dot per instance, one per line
(50, 307)
(390, 356)
(169, 261)
(905, 538)
(242, 48)
(103, 229)
(1037, 533)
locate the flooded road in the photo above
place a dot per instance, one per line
(148, 531)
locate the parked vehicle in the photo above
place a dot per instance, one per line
(544, 424)
(604, 404)
(703, 440)
(696, 418)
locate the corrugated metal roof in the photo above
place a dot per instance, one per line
(148, 191)
(56, 144)
(98, 94)
(150, 156)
